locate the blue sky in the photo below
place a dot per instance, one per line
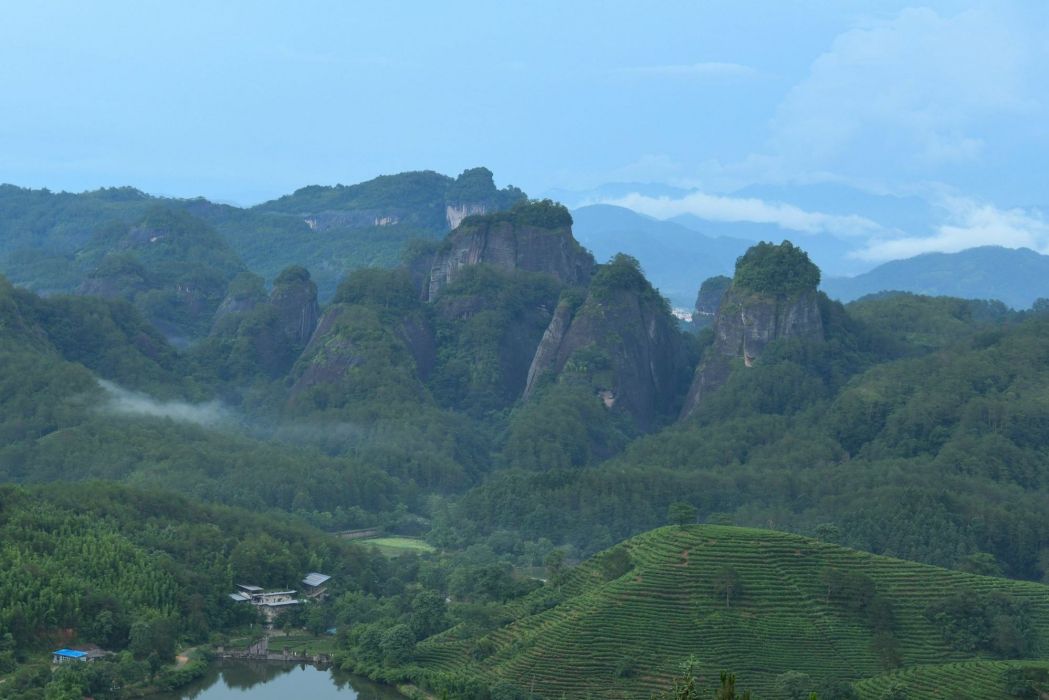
(243, 101)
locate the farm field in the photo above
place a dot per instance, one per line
(629, 617)
(393, 546)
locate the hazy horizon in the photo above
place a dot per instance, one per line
(751, 111)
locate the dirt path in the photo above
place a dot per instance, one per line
(183, 658)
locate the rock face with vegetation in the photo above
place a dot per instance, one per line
(708, 301)
(374, 338)
(620, 340)
(172, 266)
(772, 296)
(531, 237)
(294, 298)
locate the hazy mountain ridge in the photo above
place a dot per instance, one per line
(1016, 276)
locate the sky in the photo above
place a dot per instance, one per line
(752, 107)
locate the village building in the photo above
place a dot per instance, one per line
(315, 584)
(65, 656)
(273, 603)
(86, 653)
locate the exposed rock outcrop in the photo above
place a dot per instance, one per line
(455, 213)
(622, 341)
(294, 297)
(535, 237)
(245, 293)
(711, 292)
(772, 296)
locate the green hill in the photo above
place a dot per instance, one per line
(759, 603)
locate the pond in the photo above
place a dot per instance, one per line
(269, 680)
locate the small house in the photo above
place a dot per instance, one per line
(64, 656)
(314, 584)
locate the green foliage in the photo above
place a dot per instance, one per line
(564, 426)
(141, 570)
(386, 289)
(540, 213)
(397, 644)
(985, 622)
(681, 513)
(488, 324)
(782, 270)
(623, 274)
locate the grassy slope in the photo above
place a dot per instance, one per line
(665, 608)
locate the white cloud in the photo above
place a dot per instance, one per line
(723, 208)
(970, 224)
(709, 69)
(132, 403)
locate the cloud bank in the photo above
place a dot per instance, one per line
(724, 208)
(125, 402)
(969, 224)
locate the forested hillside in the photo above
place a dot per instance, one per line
(140, 573)
(502, 394)
(51, 242)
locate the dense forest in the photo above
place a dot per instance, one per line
(192, 395)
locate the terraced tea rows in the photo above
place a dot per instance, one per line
(624, 627)
(964, 679)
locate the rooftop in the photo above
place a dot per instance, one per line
(315, 579)
(70, 653)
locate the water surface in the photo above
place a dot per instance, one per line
(269, 680)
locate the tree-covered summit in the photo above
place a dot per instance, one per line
(779, 270)
(541, 213)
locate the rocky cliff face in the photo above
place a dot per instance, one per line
(517, 240)
(294, 297)
(622, 341)
(711, 292)
(455, 213)
(355, 353)
(748, 320)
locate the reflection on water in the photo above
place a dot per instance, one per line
(266, 680)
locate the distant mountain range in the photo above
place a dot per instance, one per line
(675, 258)
(679, 253)
(1014, 276)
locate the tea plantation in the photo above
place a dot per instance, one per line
(758, 603)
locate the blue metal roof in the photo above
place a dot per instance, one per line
(70, 653)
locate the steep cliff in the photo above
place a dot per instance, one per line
(772, 296)
(531, 237)
(246, 292)
(253, 333)
(621, 341)
(711, 292)
(294, 297)
(374, 340)
(490, 321)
